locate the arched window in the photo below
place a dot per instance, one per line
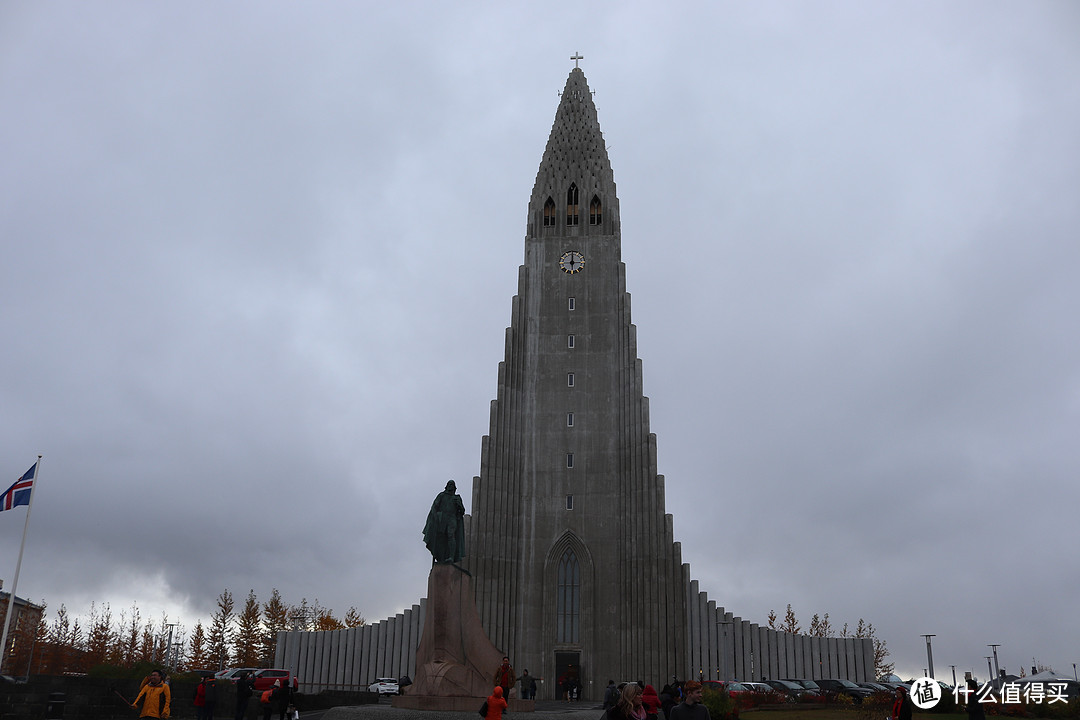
(568, 602)
(595, 216)
(549, 213)
(572, 205)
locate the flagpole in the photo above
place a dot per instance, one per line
(18, 566)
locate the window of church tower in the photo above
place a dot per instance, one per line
(569, 379)
(570, 304)
(549, 213)
(569, 419)
(595, 216)
(568, 600)
(572, 205)
(569, 341)
(569, 502)
(569, 460)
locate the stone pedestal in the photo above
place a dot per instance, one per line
(455, 662)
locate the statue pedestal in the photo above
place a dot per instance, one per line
(455, 662)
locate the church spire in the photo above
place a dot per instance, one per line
(575, 155)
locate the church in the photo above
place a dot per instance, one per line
(574, 564)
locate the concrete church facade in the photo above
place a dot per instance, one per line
(574, 563)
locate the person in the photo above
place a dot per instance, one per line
(504, 677)
(205, 698)
(901, 709)
(496, 703)
(611, 695)
(444, 531)
(569, 683)
(667, 700)
(690, 708)
(651, 701)
(156, 698)
(528, 686)
(629, 705)
(245, 686)
(279, 696)
(974, 705)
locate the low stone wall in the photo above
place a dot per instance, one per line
(88, 698)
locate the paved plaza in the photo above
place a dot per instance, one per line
(383, 711)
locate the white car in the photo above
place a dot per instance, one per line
(384, 686)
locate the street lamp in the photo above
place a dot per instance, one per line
(990, 670)
(929, 656)
(997, 670)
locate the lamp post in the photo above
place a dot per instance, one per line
(997, 670)
(990, 670)
(929, 657)
(953, 675)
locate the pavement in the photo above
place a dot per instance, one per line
(544, 709)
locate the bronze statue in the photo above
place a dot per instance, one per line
(444, 531)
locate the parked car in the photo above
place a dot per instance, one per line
(792, 689)
(766, 693)
(813, 693)
(233, 674)
(876, 687)
(385, 686)
(265, 678)
(834, 686)
(741, 694)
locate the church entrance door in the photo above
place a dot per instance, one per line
(568, 665)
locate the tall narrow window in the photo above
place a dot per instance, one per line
(572, 205)
(569, 502)
(595, 216)
(570, 304)
(549, 213)
(568, 600)
(569, 460)
(569, 419)
(569, 341)
(569, 379)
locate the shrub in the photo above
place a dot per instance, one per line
(720, 704)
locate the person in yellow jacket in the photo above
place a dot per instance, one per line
(156, 698)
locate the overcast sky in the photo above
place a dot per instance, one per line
(257, 261)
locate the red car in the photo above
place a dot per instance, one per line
(265, 679)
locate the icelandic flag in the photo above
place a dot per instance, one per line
(19, 493)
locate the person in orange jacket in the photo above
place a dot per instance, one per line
(156, 698)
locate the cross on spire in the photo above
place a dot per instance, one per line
(575, 57)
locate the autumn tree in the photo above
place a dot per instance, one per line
(325, 620)
(99, 637)
(275, 620)
(128, 647)
(791, 625)
(221, 630)
(820, 626)
(881, 650)
(248, 636)
(198, 654)
(57, 644)
(772, 620)
(354, 619)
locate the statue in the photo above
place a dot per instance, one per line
(444, 531)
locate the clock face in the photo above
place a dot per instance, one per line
(572, 262)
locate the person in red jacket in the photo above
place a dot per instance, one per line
(496, 703)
